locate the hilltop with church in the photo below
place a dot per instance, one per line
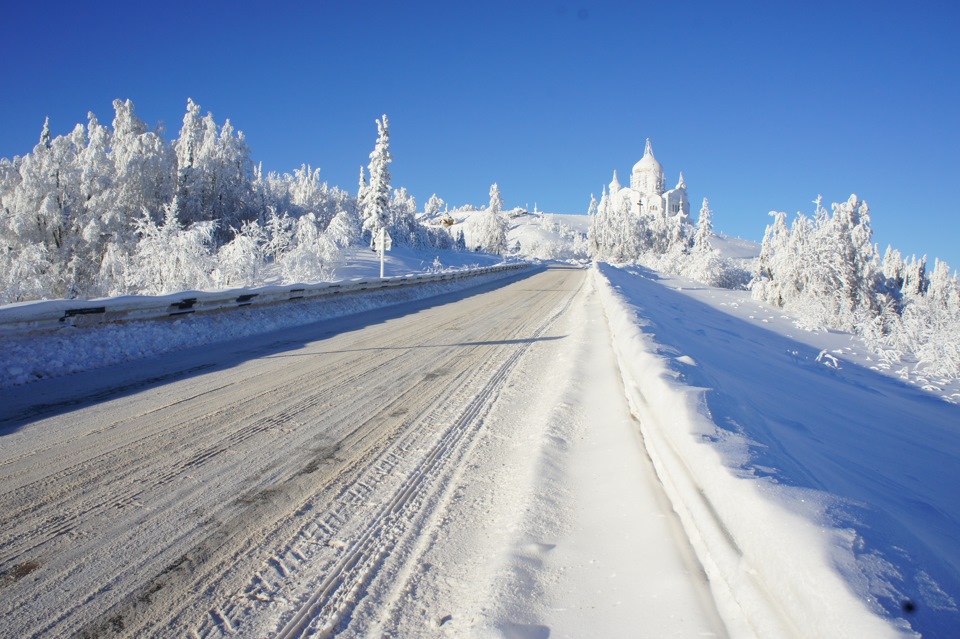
(647, 191)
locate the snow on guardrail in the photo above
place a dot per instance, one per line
(50, 314)
(767, 567)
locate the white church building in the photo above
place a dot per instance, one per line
(647, 190)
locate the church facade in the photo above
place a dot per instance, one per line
(647, 191)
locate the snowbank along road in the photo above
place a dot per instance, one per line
(286, 485)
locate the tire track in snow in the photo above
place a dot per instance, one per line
(64, 500)
(103, 468)
(350, 503)
(322, 613)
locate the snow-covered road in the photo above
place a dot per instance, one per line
(434, 468)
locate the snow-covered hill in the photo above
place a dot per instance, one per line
(549, 236)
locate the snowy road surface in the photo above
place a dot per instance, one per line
(437, 469)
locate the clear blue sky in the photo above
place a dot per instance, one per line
(763, 105)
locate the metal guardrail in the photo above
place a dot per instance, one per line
(51, 314)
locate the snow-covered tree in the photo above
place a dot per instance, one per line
(232, 175)
(701, 241)
(143, 165)
(402, 218)
(192, 149)
(893, 269)
(278, 235)
(342, 230)
(241, 260)
(915, 281)
(496, 200)
(214, 173)
(943, 289)
(313, 255)
(592, 208)
(597, 234)
(45, 136)
(169, 257)
(374, 199)
(769, 277)
(487, 229)
(309, 194)
(24, 274)
(828, 270)
(433, 206)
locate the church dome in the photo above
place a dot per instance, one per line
(647, 176)
(648, 162)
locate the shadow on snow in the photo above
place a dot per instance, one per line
(883, 456)
(23, 405)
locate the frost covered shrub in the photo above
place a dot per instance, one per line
(312, 256)
(240, 262)
(170, 258)
(711, 268)
(706, 266)
(928, 322)
(24, 275)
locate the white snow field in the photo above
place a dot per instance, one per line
(558, 452)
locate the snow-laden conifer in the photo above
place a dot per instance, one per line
(487, 229)
(701, 240)
(496, 200)
(375, 197)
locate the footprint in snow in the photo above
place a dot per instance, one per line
(537, 548)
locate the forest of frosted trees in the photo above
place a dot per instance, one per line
(106, 211)
(826, 270)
